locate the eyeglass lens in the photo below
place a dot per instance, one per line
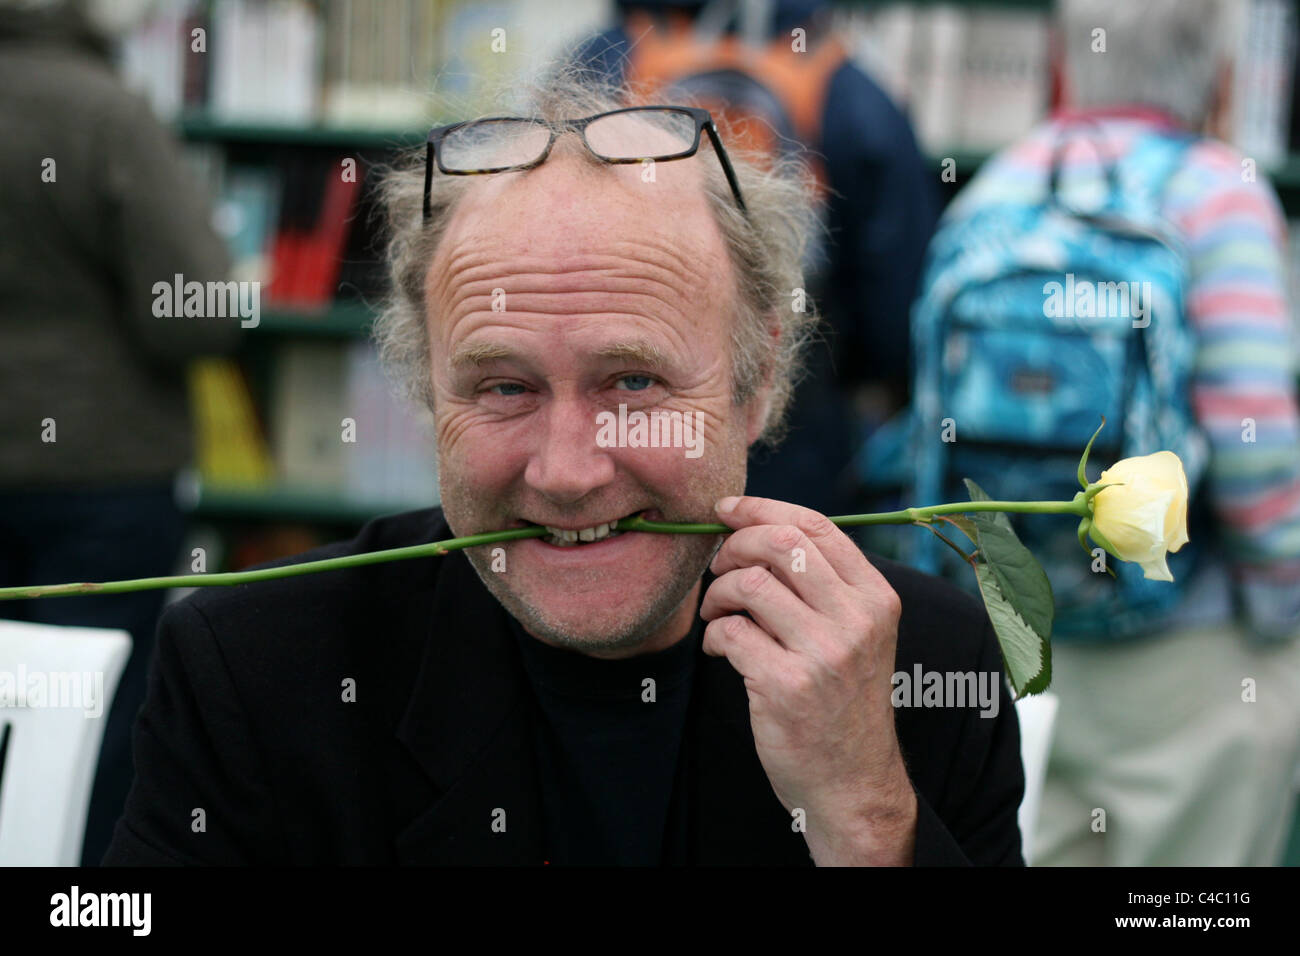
(641, 134)
(493, 145)
(500, 144)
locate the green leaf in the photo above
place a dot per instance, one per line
(1021, 578)
(1026, 655)
(978, 494)
(1018, 597)
(965, 524)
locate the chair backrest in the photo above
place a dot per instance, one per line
(1037, 715)
(56, 687)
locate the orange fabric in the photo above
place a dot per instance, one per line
(665, 51)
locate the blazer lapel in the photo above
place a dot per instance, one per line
(488, 808)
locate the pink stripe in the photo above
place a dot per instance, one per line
(1281, 571)
(1265, 310)
(1265, 511)
(1038, 152)
(1215, 404)
(1240, 201)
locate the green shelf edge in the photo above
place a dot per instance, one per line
(197, 127)
(340, 320)
(293, 504)
(1043, 5)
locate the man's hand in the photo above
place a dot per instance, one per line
(817, 658)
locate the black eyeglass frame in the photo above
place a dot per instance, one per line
(703, 121)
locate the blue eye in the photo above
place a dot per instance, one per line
(508, 385)
(644, 382)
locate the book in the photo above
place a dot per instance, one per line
(246, 215)
(155, 56)
(313, 230)
(231, 450)
(936, 80)
(306, 413)
(323, 252)
(340, 429)
(265, 64)
(1004, 79)
(1262, 76)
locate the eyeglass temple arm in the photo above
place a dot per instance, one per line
(726, 164)
(428, 179)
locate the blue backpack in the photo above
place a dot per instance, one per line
(1034, 320)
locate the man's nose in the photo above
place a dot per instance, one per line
(566, 463)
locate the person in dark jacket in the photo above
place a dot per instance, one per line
(388, 715)
(98, 206)
(594, 694)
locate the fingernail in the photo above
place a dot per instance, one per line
(726, 505)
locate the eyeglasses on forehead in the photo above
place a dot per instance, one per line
(634, 134)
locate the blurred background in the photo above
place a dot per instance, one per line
(219, 447)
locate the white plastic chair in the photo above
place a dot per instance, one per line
(49, 745)
(1037, 715)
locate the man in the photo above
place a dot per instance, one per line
(592, 697)
(1185, 737)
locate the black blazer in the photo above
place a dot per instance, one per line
(247, 752)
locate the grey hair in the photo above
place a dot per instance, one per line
(1160, 53)
(766, 247)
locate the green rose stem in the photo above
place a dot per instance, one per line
(1079, 506)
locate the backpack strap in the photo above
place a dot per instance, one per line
(1097, 138)
(1151, 187)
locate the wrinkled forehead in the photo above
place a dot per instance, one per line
(571, 207)
(572, 176)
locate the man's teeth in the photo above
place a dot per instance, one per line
(562, 536)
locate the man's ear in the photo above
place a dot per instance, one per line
(760, 404)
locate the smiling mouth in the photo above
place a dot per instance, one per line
(576, 537)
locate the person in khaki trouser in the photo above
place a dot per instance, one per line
(1189, 769)
(1180, 746)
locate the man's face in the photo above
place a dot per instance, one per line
(560, 294)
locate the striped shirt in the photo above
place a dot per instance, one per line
(1244, 380)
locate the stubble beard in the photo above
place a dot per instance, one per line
(691, 556)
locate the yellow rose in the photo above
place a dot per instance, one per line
(1144, 515)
